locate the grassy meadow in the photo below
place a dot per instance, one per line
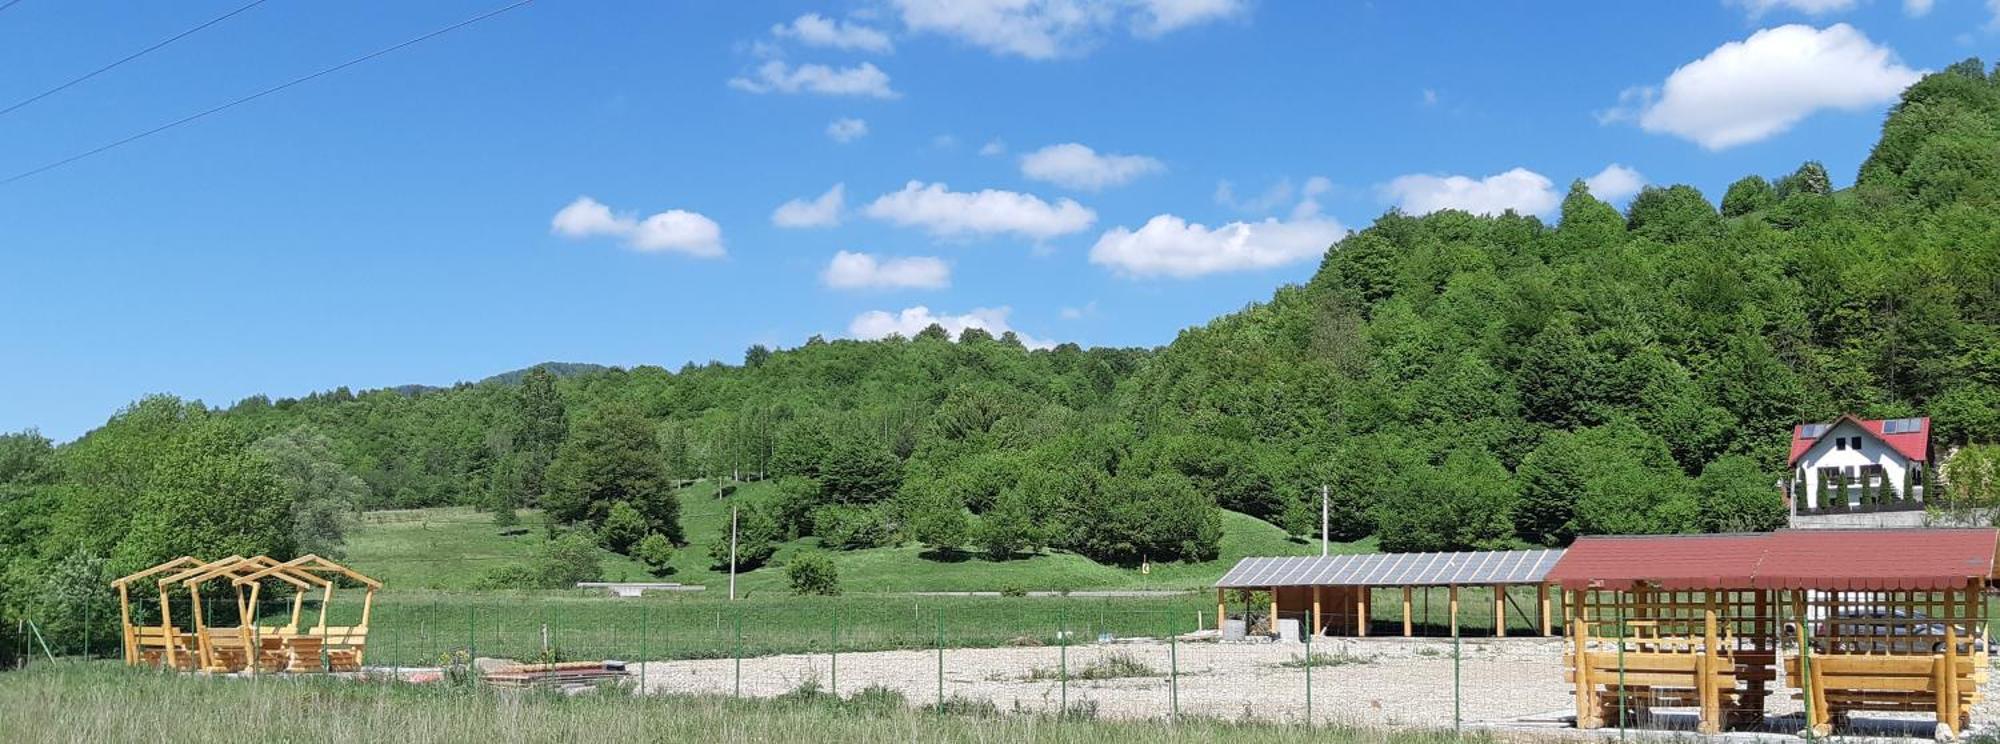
(432, 558)
(104, 702)
(452, 547)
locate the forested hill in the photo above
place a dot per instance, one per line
(1458, 381)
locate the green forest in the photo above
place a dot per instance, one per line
(1455, 381)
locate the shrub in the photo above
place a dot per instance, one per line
(849, 527)
(559, 563)
(1013, 590)
(656, 551)
(813, 572)
(623, 528)
(1115, 665)
(756, 540)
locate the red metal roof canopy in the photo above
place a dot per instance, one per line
(1834, 560)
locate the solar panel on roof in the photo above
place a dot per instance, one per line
(1812, 431)
(1901, 426)
(1393, 569)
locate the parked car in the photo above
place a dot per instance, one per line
(1878, 630)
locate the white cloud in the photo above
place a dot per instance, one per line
(944, 141)
(1917, 8)
(1089, 309)
(1047, 29)
(813, 29)
(1757, 8)
(1075, 166)
(1430, 97)
(674, 230)
(847, 130)
(1168, 245)
(775, 76)
(1615, 183)
(911, 321)
(1162, 16)
(863, 271)
(1520, 189)
(1750, 90)
(993, 148)
(935, 207)
(822, 211)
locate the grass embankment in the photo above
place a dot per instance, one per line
(103, 702)
(451, 548)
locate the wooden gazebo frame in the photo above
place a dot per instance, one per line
(1858, 620)
(247, 645)
(151, 644)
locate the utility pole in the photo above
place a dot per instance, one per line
(1323, 542)
(732, 552)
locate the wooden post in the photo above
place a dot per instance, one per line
(1454, 610)
(1361, 611)
(1274, 612)
(1711, 697)
(1221, 609)
(125, 622)
(1947, 687)
(1542, 601)
(1499, 611)
(1586, 689)
(1316, 612)
(1406, 612)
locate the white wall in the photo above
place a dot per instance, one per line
(1825, 455)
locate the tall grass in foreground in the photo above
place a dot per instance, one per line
(106, 703)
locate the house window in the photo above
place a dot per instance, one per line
(1872, 475)
(1840, 443)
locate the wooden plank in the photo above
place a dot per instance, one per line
(1542, 600)
(1361, 611)
(1406, 612)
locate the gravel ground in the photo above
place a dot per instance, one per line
(1514, 686)
(1393, 683)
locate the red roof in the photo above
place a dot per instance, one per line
(1915, 445)
(1672, 562)
(1885, 559)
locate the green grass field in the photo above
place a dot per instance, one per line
(451, 548)
(105, 702)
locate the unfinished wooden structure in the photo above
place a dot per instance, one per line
(207, 645)
(1332, 595)
(1858, 621)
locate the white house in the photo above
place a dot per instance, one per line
(1858, 465)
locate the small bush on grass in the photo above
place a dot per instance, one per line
(657, 552)
(813, 572)
(1115, 665)
(807, 692)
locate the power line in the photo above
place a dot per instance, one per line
(9, 4)
(126, 58)
(260, 94)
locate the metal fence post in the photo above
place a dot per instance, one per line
(1623, 704)
(1309, 676)
(833, 648)
(1062, 644)
(1173, 675)
(472, 639)
(737, 620)
(1805, 669)
(940, 647)
(1457, 688)
(645, 628)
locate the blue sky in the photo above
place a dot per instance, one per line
(602, 181)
